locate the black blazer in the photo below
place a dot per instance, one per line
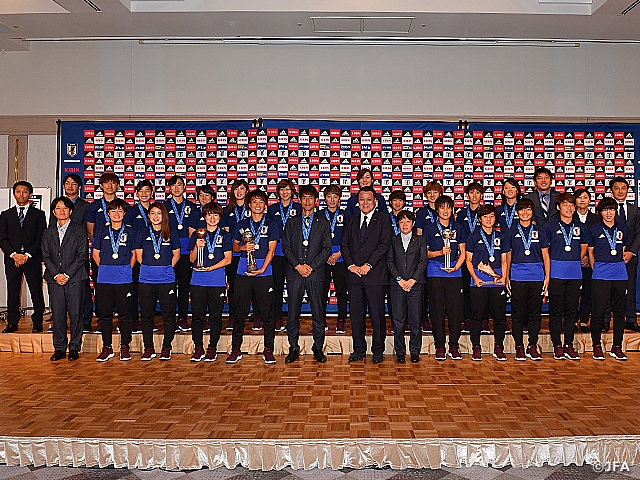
(25, 239)
(372, 250)
(538, 214)
(79, 213)
(633, 223)
(592, 218)
(70, 257)
(409, 264)
(316, 253)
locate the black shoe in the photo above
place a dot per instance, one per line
(73, 355)
(293, 356)
(320, 357)
(378, 357)
(401, 359)
(584, 328)
(354, 357)
(415, 357)
(58, 355)
(633, 326)
(36, 329)
(606, 326)
(10, 329)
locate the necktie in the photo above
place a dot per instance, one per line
(543, 203)
(623, 217)
(21, 216)
(363, 229)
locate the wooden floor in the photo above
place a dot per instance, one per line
(183, 400)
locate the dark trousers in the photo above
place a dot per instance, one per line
(296, 285)
(279, 269)
(361, 295)
(149, 294)
(632, 273)
(604, 292)
(425, 301)
(466, 288)
(63, 300)
(120, 297)
(526, 309)
(231, 270)
(90, 295)
(495, 300)
(32, 271)
(563, 303)
(339, 274)
(407, 307)
(585, 299)
(183, 272)
(245, 288)
(203, 299)
(446, 298)
(136, 304)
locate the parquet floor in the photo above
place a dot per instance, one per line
(183, 400)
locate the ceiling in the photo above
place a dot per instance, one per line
(23, 22)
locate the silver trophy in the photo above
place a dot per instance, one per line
(201, 233)
(447, 235)
(247, 237)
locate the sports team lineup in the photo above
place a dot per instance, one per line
(429, 226)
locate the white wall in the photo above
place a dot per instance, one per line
(4, 159)
(125, 78)
(41, 161)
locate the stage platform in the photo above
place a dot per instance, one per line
(183, 415)
(24, 341)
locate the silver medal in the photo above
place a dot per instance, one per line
(257, 247)
(305, 243)
(114, 256)
(492, 259)
(333, 234)
(157, 256)
(567, 248)
(614, 252)
(211, 256)
(180, 227)
(527, 252)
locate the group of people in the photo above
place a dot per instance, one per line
(432, 266)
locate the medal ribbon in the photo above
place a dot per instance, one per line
(179, 216)
(107, 220)
(282, 215)
(508, 217)
(472, 223)
(527, 243)
(491, 246)
(256, 235)
(333, 222)
(156, 244)
(567, 238)
(210, 247)
(240, 216)
(115, 245)
(144, 214)
(306, 231)
(396, 229)
(612, 241)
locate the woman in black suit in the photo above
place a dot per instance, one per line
(583, 215)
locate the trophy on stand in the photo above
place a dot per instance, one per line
(447, 235)
(201, 233)
(247, 237)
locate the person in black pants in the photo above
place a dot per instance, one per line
(64, 251)
(567, 243)
(528, 278)
(406, 263)
(21, 229)
(365, 242)
(265, 234)
(335, 267)
(113, 253)
(306, 244)
(583, 215)
(209, 256)
(157, 251)
(487, 261)
(183, 218)
(608, 242)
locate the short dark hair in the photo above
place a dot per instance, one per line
(565, 197)
(474, 186)
(212, 207)
(73, 176)
(618, 179)
(397, 195)
(173, 180)
(408, 214)
(607, 203)
(334, 189)
(66, 201)
(22, 183)
(514, 183)
(542, 171)
(361, 173)
(257, 193)
(443, 201)
(284, 183)
(117, 203)
(208, 189)
(486, 209)
(524, 203)
(433, 185)
(369, 189)
(107, 177)
(144, 183)
(581, 191)
(309, 190)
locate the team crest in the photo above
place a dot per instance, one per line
(72, 149)
(340, 219)
(187, 210)
(576, 231)
(264, 230)
(293, 213)
(454, 234)
(534, 235)
(219, 241)
(619, 235)
(496, 242)
(123, 237)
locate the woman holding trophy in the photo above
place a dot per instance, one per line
(210, 252)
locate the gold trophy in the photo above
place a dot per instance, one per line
(247, 237)
(201, 233)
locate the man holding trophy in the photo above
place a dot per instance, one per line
(447, 249)
(255, 238)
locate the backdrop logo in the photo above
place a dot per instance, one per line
(72, 149)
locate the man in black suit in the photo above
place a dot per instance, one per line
(630, 216)
(366, 239)
(65, 248)
(21, 230)
(543, 198)
(306, 244)
(406, 262)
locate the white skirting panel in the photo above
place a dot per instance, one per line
(328, 453)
